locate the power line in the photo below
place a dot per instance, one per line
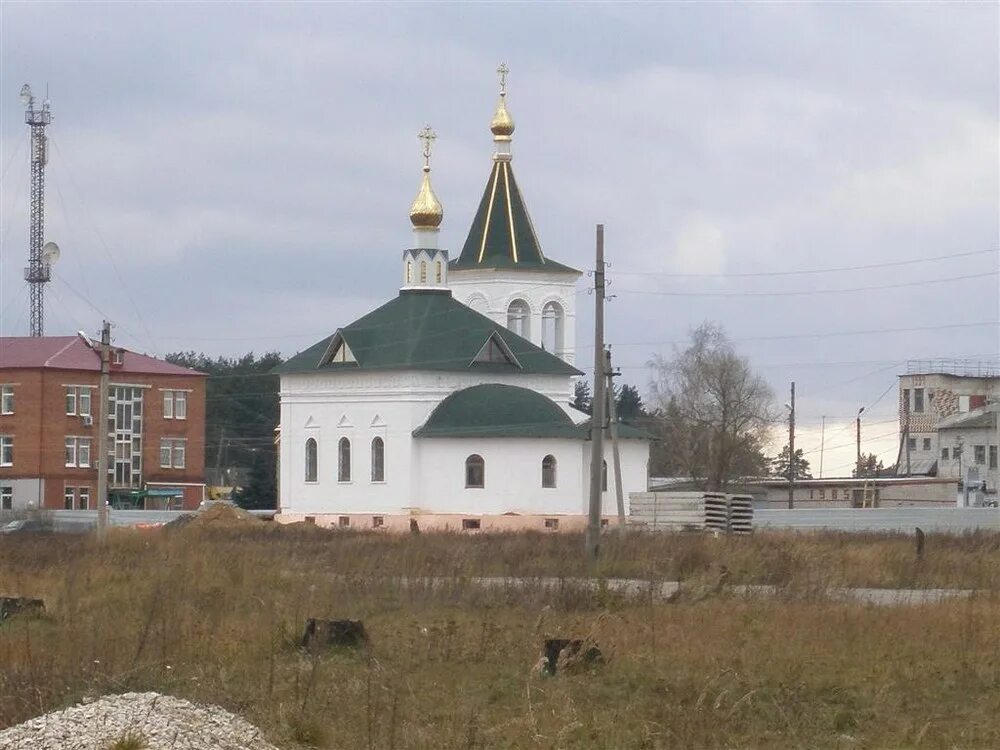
(803, 272)
(810, 292)
(828, 334)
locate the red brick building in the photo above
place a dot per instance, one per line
(48, 435)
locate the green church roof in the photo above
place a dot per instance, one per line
(502, 235)
(426, 330)
(494, 410)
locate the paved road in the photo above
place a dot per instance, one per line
(670, 590)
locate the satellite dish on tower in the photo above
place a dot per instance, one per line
(50, 253)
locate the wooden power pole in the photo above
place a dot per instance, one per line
(613, 425)
(593, 535)
(102, 433)
(791, 451)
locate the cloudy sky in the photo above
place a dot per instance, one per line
(236, 177)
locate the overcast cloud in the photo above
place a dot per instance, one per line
(236, 177)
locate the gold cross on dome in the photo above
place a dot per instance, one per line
(427, 135)
(503, 70)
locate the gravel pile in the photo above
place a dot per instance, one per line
(162, 722)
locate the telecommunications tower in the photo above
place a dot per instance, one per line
(41, 255)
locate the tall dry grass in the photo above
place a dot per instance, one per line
(214, 616)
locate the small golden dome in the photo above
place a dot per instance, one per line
(502, 125)
(426, 210)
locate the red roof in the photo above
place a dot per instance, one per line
(76, 353)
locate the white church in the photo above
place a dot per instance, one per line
(449, 405)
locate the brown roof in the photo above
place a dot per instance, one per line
(76, 353)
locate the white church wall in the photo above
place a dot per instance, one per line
(513, 476)
(491, 293)
(359, 406)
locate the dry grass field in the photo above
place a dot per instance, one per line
(214, 614)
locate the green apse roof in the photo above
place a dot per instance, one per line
(494, 410)
(426, 330)
(502, 235)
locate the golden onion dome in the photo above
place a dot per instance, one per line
(502, 125)
(426, 210)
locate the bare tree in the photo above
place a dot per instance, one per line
(721, 408)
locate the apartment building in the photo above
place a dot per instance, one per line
(935, 398)
(48, 436)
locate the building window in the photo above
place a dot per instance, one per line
(78, 452)
(993, 456)
(344, 460)
(552, 523)
(344, 522)
(78, 399)
(312, 460)
(927, 444)
(833, 494)
(604, 476)
(378, 460)
(83, 499)
(378, 522)
(69, 495)
(906, 399)
(471, 524)
(175, 405)
(6, 497)
(519, 318)
(979, 454)
(475, 472)
(911, 443)
(409, 272)
(7, 399)
(423, 272)
(944, 454)
(437, 272)
(918, 400)
(173, 453)
(6, 450)
(549, 471)
(552, 328)
(811, 494)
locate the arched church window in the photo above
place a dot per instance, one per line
(378, 460)
(604, 476)
(312, 460)
(475, 471)
(552, 328)
(519, 318)
(437, 272)
(409, 272)
(344, 460)
(423, 272)
(549, 471)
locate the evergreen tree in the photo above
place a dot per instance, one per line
(779, 465)
(582, 399)
(629, 404)
(241, 413)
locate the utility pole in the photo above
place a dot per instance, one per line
(613, 423)
(791, 451)
(822, 446)
(102, 434)
(593, 535)
(38, 270)
(906, 433)
(858, 470)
